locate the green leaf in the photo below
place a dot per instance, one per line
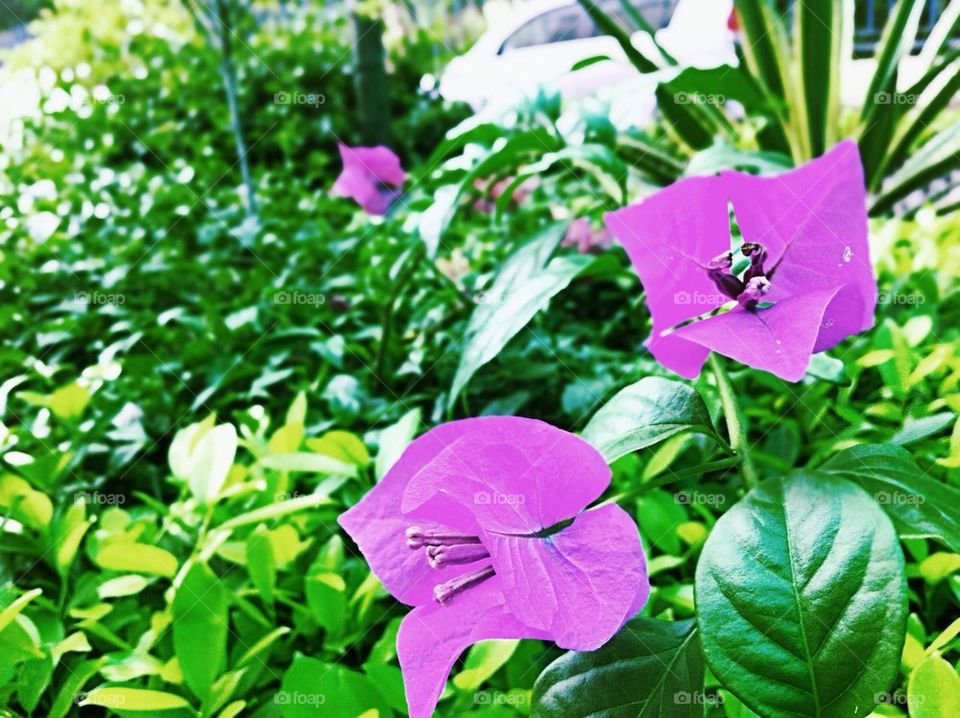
(343, 446)
(120, 586)
(933, 690)
(645, 413)
(658, 515)
(820, 35)
(483, 660)
(917, 429)
(919, 505)
(936, 567)
(650, 669)
(133, 699)
(935, 158)
(68, 402)
(265, 513)
(260, 563)
(525, 285)
(75, 678)
(23, 503)
(137, 557)
(607, 25)
(200, 628)
(311, 687)
(327, 598)
(305, 461)
(17, 605)
(802, 599)
(201, 455)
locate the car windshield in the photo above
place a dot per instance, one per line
(572, 22)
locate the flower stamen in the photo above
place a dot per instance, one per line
(445, 592)
(418, 537)
(440, 556)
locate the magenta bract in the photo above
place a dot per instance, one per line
(371, 176)
(480, 525)
(808, 283)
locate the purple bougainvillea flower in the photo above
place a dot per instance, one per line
(807, 282)
(480, 525)
(371, 176)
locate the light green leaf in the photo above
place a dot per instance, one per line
(933, 690)
(138, 558)
(128, 585)
(16, 606)
(483, 660)
(344, 446)
(260, 563)
(133, 699)
(305, 461)
(265, 513)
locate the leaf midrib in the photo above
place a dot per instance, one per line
(803, 629)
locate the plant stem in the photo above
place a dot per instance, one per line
(228, 70)
(736, 426)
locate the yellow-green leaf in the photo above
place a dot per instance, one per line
(133, 699)
(933, 690)
(137, 558)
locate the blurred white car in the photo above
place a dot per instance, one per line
(540, 42)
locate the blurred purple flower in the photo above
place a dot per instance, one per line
(496, 190)
(371, 176)
(807, 284)
(585, 238)
(480, 526)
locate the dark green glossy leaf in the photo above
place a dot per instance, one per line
(920, 505)
(645, 413)
(801, 598)
(650, 669)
